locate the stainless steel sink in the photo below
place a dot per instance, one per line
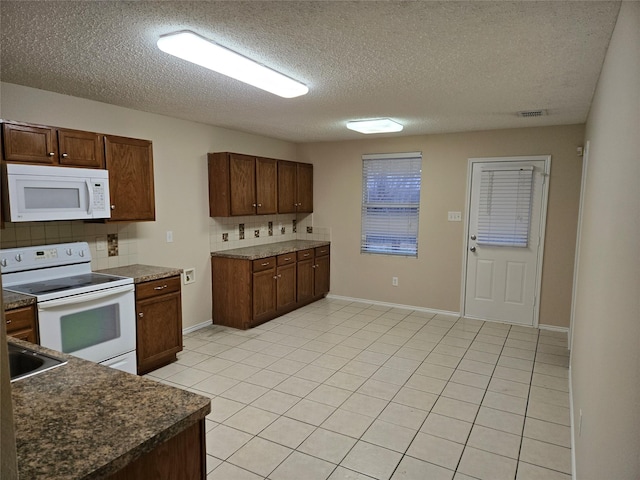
(24, 362)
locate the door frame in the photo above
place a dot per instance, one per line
(543, 225)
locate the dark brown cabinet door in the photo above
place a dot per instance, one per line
(80, 149)
(242, 177)
(266, 186)
(264, 295)
(321, 275)
(159, 323)
(286, 286)
(286, 187)
(304, 188)
(305, 280)
(29, 144)
(130, 165)
(21, 323)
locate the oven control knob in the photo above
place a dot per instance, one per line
(19, 257)
(81, 253)
(3, 262)
(69, 251)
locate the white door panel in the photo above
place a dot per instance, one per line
(501, 282)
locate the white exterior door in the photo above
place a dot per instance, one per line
(505, 234)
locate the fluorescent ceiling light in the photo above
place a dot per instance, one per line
(379, 125)
(196, 49)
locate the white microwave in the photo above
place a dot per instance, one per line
(42, 193)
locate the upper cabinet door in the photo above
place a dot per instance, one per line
(80, 149)
(304, 187)
(29, 143)
(266, 186)
(286, 187)
(242, 176)
(130, 165)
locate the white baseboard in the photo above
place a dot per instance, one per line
(198, 326)
(394, 305)
(573, 430)
(553, 328)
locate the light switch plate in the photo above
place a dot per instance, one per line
(454, 216)
(101, 243)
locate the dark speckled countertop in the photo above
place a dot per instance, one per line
(142, 273)
(86, 421)
(16, 300)
(269, 249)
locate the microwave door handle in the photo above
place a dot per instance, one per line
(85, 297)
(90, 192)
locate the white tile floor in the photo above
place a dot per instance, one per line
(340, 390)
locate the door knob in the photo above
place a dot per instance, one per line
(473, 249)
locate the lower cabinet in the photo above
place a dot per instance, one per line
(158, 323)
(182, 457)
(247, 293)
(21, 323)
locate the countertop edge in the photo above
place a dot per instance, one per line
(266, 250)
(142, 273)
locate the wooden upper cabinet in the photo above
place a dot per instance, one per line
(29, 143)
(304, 187)
(242, 178)
(80, 149)
(52, 146)
(130, 165)
(241, 185)
(295, 187)
(266, 186)
(286, 187)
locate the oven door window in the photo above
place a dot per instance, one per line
(89, 327)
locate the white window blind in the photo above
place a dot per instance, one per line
(504, 213)
(391, 203)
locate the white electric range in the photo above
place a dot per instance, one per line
(80, 312)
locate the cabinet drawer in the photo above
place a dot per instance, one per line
(321, 251)
(305, 254)
(19, 319)
(264, 264)
(286, 258)
(157, 287)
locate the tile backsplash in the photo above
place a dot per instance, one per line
(118, 239)
(226, 233)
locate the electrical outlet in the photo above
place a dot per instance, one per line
(189, 275)
(169, 236)
(394, 281)
(454, 216)
(101, 243)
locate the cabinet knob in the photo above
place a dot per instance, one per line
(141, 314)
(64, 155)
(8, 322)
(113, 207)
(275, 277)
(255, 205)
(259, 204)
(280, 276)
(52, 154)
(314, 266)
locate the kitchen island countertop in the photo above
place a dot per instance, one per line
(269, 249)
(86, 421)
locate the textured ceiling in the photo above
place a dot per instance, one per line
(433, 66)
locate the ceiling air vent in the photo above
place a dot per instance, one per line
(532, 113)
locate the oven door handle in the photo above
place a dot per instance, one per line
(90, 194)
(85, 297)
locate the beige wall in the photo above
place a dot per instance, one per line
(433, 280)
(180, 170)
(605, 360)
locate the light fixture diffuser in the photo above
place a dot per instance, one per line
(196, 49)
(378, 125)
